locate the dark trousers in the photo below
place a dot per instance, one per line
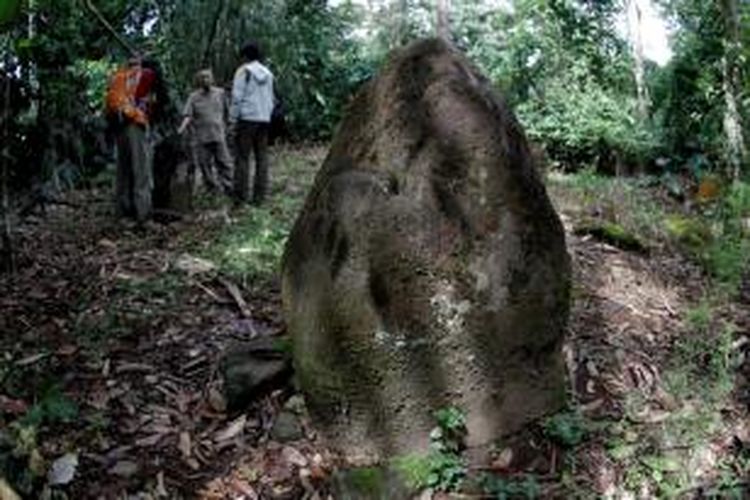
(214, 154)
(134, 180)
(251, 139)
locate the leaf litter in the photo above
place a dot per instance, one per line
(130, 329)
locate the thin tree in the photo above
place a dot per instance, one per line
(634, 16)
(7, 256)
(731, 84)
(443, 28)
(221, 7)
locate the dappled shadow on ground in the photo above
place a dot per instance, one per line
(112, 340)
(628, 362)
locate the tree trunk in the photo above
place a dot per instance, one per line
(206, 60)
(401, 34)
(636, 44)
(7, 258)
(736, 149)
(443, 19)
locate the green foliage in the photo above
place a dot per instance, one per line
(451, 429)
(614, 234)
(52, 407)
(307, 45)
(566, 428)
(704, 362)
(366, 479)
(447, 470)
(96, 74)
(688, 231)
(252, 248)
(699, 318)
(501, 488)
(689, 94)
(581, 121)
(414, 469)
(318, 66)
(443, 468)
(728, 256)
(9, 10)
(567, 73)
(440, 470)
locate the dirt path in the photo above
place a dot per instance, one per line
(112, 340)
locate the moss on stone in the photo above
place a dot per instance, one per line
(367, 479)
(414, 469)
(614, 234)
(370, 483)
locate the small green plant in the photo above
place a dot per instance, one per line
(704, 362)
(699, 318)
(450, 431)
(502, 488)
(692, 233)
(731, 481)
(53, 407)
(727, 255)
(566, 428)
(414, 469)
(443, 468)
(447, 471)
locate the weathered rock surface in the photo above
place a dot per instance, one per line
(428, 267)
(253, 369)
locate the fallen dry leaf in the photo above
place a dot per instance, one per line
(294, 457)
(235, 428)
(12, 406)
(216, 400)
(184, 445)
(124, 468)
(244, 488)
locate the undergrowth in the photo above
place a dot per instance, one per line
(250, 248)
(673, 453)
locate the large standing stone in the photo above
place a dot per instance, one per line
(428, 267)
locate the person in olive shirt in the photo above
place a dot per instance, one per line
(205, 112)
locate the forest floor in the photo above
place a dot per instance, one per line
(112, 341)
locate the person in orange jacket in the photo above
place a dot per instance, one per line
(129, 103)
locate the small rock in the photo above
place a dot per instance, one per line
(253, 369)
(425, 495)
(296, 404)
(503, 460)
(286, 427)
(124, 468)
(63, 469)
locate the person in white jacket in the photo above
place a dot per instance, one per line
(250, 117)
